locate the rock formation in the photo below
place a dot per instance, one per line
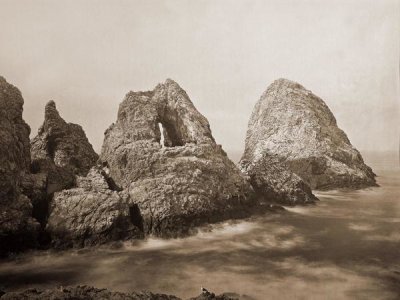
(161, 151)
(296, 129)
(92, 214)
(83, 293)
(274, 182)
(59, 152)
(91, 293)
(17, 227)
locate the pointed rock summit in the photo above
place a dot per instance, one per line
(61, 150)
(294, 128)
(17, 227)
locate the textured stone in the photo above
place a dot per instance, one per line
(17, 227)
(297, 128)
(91, 214)
(83, 293)
(177, 176)
(274, 182)
(61, 150)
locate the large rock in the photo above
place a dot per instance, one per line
(92, 214)
(61, 150)
(17, 227)
(275, 183)
(161, 151)
(297, 129)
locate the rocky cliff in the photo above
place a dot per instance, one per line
(297, 129)
(161, 151)
(17, 227)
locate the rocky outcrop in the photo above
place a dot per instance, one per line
(162, 153)
(83, 293)
(274, 182)
(17, 227)
(59, 152)
(91, 214)
(91, 293)
(297, 129)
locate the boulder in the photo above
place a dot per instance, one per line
(92, 214)
(275, 183)
(17, 227)
(298, 129)
(161, 151)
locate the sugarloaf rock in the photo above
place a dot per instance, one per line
(17, 227)
(161, 151)
(61, 150)
(297, 129)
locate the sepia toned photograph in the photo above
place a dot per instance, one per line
(200, 149)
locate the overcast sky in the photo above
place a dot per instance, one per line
(86, 55)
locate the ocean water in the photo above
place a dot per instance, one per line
(345, 247)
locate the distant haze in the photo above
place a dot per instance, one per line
(86, 55)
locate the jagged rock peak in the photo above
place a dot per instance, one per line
(64, 143)
(61, 151)
(292, 124)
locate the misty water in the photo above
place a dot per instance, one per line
(345, 247)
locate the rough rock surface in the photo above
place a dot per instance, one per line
(91, 214)
(17, 227)
(83, 293)
(274, 182)
(161, 151)
(91, 293)
(61, 150)
(297, 128)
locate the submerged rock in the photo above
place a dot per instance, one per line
(17, 228)
(162, 152)
(297, 129)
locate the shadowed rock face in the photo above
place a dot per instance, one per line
(296, 128)
(161, 151)
(17, 228)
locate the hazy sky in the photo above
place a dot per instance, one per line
(86, 55)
